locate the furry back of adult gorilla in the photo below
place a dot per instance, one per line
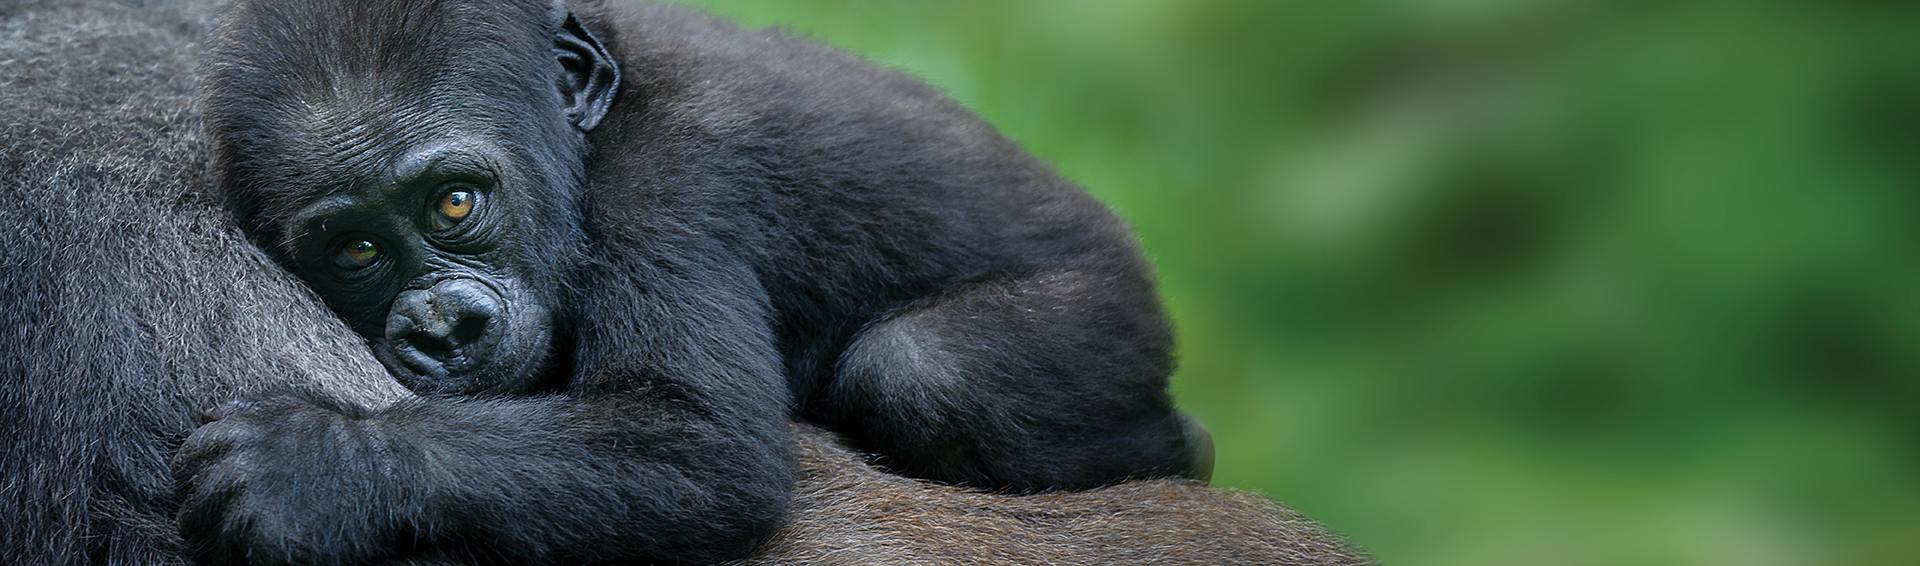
(129, 303)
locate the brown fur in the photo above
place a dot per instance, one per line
(847, 513)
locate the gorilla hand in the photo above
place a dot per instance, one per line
(263, 483)
(540, 480)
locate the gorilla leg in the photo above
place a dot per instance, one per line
(1050, 380)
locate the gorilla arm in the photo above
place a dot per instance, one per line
(643, 457)
(285, 481)
(847, 513)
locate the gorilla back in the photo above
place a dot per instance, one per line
(648, 238)
(128, 300)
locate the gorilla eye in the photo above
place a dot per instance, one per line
(452, 208)
(357, 254)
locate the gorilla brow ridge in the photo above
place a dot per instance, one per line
(290, 59)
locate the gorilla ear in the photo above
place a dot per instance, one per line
(588, 75)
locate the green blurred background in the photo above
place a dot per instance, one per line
(1489, 282)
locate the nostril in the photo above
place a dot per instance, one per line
(469, 329)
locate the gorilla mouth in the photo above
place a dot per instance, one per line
(434, 367)
(437, 370)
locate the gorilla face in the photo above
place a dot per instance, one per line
(426, 187)
(415, 251)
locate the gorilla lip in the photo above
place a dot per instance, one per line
(426, 365)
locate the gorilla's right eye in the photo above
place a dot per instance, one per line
(357, 254)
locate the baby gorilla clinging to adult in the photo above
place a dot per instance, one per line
(640, 240)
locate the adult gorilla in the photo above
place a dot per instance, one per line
(757, 228)
(128, 303)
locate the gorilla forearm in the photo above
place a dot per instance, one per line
(846, 513)
(549, 478)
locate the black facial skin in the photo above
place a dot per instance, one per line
(667, 237)
(418, 252)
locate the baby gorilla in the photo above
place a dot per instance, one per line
(636, 241)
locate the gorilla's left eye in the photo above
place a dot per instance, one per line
(452, 208)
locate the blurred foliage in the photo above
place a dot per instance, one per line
(1487, 282)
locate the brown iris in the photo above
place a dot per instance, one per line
(453, 207)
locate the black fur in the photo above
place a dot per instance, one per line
(684, 234)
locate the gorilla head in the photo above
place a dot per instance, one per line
(422, 176)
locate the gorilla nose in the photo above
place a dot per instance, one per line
(444, 321)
